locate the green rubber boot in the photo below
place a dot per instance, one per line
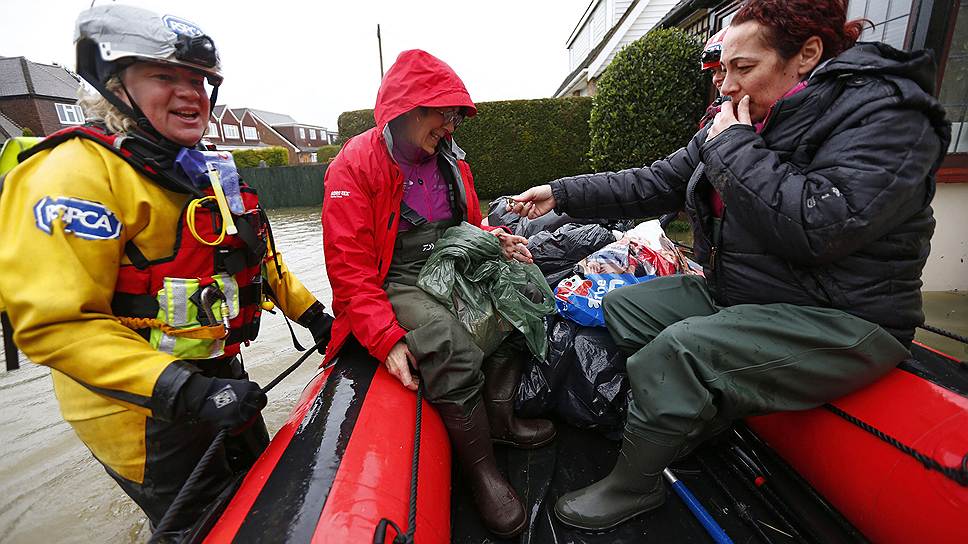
(633, 487)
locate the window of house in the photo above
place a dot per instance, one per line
(312, 134)
(890, 18)
(250, 133)
(954, 87)
(698, 28)
(302, 133)
(69, 114)
(312, 157)
(212, 130)
(231, 131)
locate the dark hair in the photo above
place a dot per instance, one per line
(790, 23)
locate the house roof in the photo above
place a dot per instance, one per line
(8, 129)
(218, 110)
(593, 54)
(272, 119)
(19, 76)
(256, 114)
(682, 10)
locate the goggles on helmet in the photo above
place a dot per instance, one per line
(711, 55)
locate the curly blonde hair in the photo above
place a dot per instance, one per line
(97, 108)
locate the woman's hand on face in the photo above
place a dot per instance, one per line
(727, 117)
(398, 363)
(513, 247)
(533, 203)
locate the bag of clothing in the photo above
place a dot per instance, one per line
(556, 253)
(490, 294)
(583, 380)
(642, 254)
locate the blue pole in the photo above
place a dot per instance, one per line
(707, 521)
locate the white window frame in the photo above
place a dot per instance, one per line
(69, 114)
(250, 133)
(312, 134)
(231, 131)
(212, 130)
(302, 133)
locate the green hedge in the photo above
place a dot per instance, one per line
(287, 186)
(514, 144)
(351, 123)
(649, 101)
(249, 158)
(326, 153)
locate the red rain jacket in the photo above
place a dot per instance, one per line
(361, 207)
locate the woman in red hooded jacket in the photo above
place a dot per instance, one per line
(390, 193)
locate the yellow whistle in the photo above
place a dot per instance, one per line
(267, 305)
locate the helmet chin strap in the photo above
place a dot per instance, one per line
(134, 111)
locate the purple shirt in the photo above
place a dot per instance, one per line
(424, 188)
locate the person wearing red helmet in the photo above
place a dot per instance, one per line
(710, 62)
(390, 194)
(711, 54)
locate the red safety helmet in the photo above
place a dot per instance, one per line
(713, 51)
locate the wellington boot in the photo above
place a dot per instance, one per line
(633, 487)
(502, 374)
(497, 503)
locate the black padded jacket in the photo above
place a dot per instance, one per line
(829, 205)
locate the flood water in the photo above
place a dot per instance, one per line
(52, 490)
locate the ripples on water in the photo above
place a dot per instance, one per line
(52, 490)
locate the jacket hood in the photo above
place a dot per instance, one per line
(418, 78)
(876, 58)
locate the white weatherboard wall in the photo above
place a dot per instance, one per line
(647, 14)
(947, 268)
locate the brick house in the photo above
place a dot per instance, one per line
(41, 97)
(247, 128)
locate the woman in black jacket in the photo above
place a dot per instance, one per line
(810, 205)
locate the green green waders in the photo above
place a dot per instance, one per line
(694, 367)
(449, 360)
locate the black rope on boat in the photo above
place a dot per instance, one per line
(958, 475)
(188, 489)
(380, 535)
(947, 334)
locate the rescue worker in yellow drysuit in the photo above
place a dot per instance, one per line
(119, 273)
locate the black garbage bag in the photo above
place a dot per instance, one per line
(556, 252)
(583, 380)
(498, 216)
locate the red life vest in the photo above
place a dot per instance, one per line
(234, 265)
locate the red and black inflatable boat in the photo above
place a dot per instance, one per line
(342, 462)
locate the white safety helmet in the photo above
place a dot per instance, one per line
(110, 37)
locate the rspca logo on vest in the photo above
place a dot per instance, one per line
(82, 218)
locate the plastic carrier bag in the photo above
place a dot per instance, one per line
(556, 253)
(642, 254)
(491, 295)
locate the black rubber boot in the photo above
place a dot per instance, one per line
(633, 487)
(502, 374)
(497, 503)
